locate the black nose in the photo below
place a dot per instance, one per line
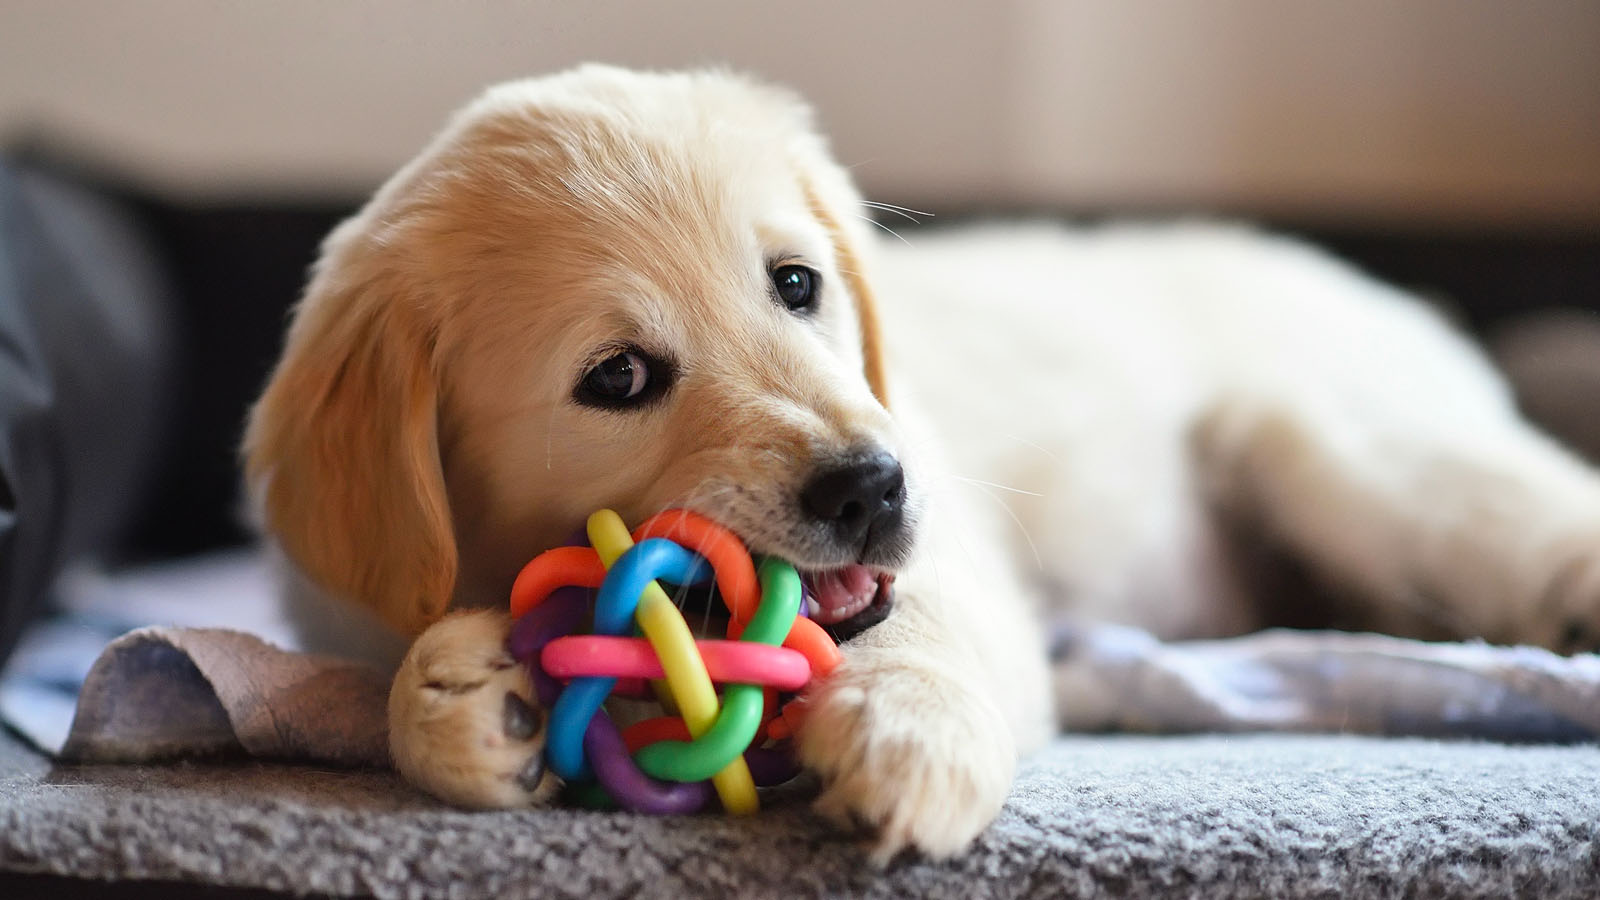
(864, 495)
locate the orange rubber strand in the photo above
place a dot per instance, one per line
(808, 637)
(557, 568)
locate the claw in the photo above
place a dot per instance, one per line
(532, 774)
(520, 720)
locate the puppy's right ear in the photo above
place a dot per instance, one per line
(342, 450)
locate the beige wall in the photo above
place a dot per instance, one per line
(1473, 109)
(1395, 110)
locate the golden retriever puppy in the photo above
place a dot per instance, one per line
(640, 291)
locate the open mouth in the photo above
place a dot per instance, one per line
(845, 601)
(848, 600)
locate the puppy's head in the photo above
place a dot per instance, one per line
(598, 289)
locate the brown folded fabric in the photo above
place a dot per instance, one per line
(163, 693)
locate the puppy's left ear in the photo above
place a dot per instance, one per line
(834, 201)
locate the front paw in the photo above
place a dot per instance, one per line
(907, 748)
(463, 724)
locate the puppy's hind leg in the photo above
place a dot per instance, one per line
(1450, 520)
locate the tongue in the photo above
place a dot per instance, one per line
(841, 593)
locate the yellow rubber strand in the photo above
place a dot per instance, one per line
(687, 678)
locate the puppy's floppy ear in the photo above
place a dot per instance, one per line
(342, 450)
(833, 200)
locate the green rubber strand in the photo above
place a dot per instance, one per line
(742, 704)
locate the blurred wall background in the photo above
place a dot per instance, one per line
(1475, 113)
(1451, 146)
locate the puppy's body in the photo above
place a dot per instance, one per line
(1076, 414)
(1144, 385)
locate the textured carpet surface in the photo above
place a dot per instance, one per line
(1244, 816)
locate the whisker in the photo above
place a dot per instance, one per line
(1022, 440)
(901, 214)
(1003, 487)
(890, 207)
(1037, 559)
(884, 227)
(549, 441)
(938, 577)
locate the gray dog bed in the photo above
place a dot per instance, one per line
(1242, 816)
(1184, 816)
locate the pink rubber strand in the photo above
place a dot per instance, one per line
(727, 662)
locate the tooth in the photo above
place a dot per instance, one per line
(813, 608)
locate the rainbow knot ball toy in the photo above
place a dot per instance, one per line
(725, 743)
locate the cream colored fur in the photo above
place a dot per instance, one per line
(1075, 410)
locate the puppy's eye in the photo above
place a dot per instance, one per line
(626, 379)
(797, 287)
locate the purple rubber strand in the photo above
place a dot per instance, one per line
(771, 765)
(630, 787)
(562, 613)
